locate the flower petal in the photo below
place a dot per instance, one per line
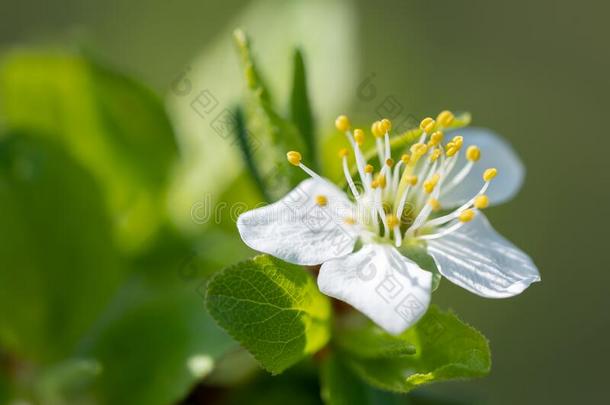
(495, 152)
(298, 230)
(480, 260)
(381, 283)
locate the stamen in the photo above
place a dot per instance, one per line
(378, 133)
(348, 176)
(294, 158)
(489, 174)
(411, 181)
(321, 200)
(481, 202)
(386, 126)
(394, 225)
(427, 125)
(436, 138)
(445, 118)
(466, 216)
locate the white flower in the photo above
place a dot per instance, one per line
(359, 240)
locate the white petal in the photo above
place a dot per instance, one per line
(298, 230)
(381, 283)
(480, 260)
(495, 152)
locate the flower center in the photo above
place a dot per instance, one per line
(402, 199)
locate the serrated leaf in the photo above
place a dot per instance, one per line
(113, 126)
(300, 108)
(273, 308)
(446, 348)
(273, 134)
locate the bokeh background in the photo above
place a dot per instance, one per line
(536, 72)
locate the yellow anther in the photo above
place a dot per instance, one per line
(436, 138)
(342, 123)
(294, 157)
(481, 202)
(385, 125)
(374, 184)
(389, 162)
(445, 118)
(412, 180)
(392, 220)
(405, 158)
(427, 124)
(473, 153)
(369, 169)
(343, 152)
(359, 136)
(321, 200)
(376, 129)
(349, 220)
(490, 174)
(381, 180)
(435, 155)
(431, 183)
(435, 204)
(458, 141)
(466, 215)
(451, 150)
(419, 149)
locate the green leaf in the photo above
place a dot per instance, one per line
(111, 125)
(446, 348)
(58, 265)
(300, 109)
(369, 341)
(339, 386)
(156, 340)
(273, 308)
(267, 129)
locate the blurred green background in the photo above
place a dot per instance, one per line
(536, 72)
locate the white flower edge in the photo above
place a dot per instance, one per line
(479, 259)
(381, 283)
(299, 231)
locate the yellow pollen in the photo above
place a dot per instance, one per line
(430, 184)
(349, 220)
(412, 180)
(359, 136)
(451, 149)
(381, 180)
(294, 157)
(343, 152)
(374, 184)
(369, 169)
(389, 162)
(321, 200)
(342, 123)
(436, 138)
(419, 149)
(376, 129)
(392, 221)
(385, 125)
(435, 155)
(490, 174)
(435, 204)
(458, 140)
(466, 215)
(481, 202)
(405, 158)
(473, 153)
(427, 124)
(445, 118)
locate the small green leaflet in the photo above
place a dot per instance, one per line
(273, 308)
(445, 349)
